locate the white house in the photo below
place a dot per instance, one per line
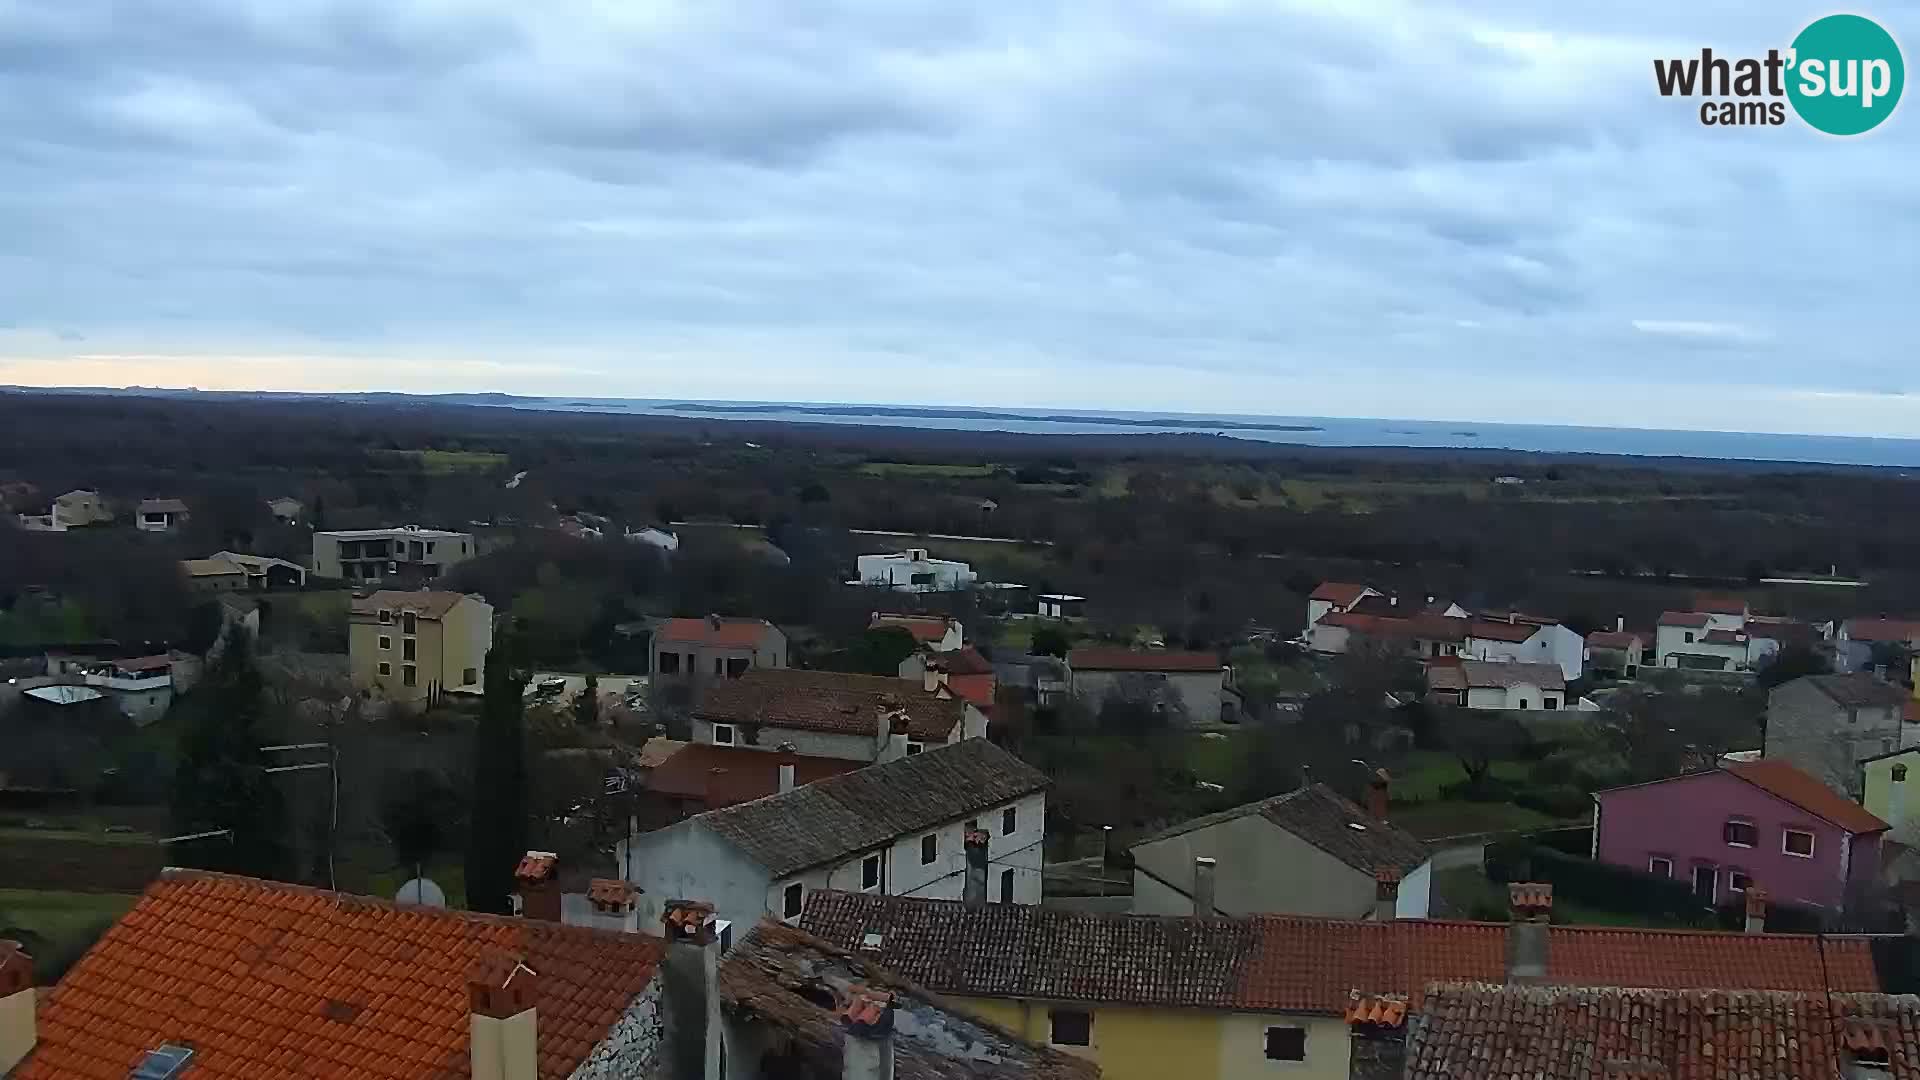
(1061, 606)
(1722, 634)
(1481, 684)
(1511, 637)
(913, 571)
(160, 515)
(141, 688)
(660, 538)
(1197, 687)
(1334, 596)
(892, 829)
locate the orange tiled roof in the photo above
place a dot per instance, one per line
(720, 776)
(723, 634)
(1338, 592)
(1783, 780)
(274, 982)
(924, 628)
(1287, 963)
(1562, 1033)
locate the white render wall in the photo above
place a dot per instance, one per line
(1548, 645)
(895, 570)
(805, 743)
(1416, 893)
(1518, 696)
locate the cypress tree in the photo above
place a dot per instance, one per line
(498, 829)
(221, 780)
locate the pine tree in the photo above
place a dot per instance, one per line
(498, 831)
(221, 780)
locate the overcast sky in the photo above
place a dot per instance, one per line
(1477, 211)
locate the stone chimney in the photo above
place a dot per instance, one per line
(890, 732)
(1532, 908)
(616, 904)
(713, 623)
(1377, 1033)
(1203, 869)
(1108, 854)
(504, 1035)
(539, 878)
(1757, 904)
(1386, 893)
(1379, 787)
(17, 1024)
(1619, 624)
(975, 892)
(691, 990)
(867, 1052)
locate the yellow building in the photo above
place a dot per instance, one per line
(412, 646)
(1891, 786)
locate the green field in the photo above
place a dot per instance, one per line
(928, 472)
(448, 462)
(1452, 817)
(58, 926)
(1424, 772)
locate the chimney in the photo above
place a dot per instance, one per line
(1108, 856)
(1532, 907)
(975, 893)
(615, 901)
(17, 1031)
(504, 1036)
(930, 679)
(1757, 903)
(713, 622)
(1386, 893)
(1377, 1034)
(1379, 786)
(539, 877)
(1306, 777)
(1512, 617)
(868, 1020)
(691, 990)
(1393, 601)
(786, 777)
(1203, 887)
(1619, 624)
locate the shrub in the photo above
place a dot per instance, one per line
(1596, 884)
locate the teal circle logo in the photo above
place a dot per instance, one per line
(1845, 74)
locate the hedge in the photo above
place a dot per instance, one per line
(1633, 892)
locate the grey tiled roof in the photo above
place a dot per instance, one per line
(831, 819)
(1857, 690)
(1320, 816)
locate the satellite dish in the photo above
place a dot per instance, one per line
(421, 892)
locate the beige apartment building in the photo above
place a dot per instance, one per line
(413, 646)
(405, 551)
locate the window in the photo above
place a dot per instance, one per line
(929, 848)
(1737, 880)
(429, 547)
(469, 676)
(386, 616)
(386, 642)
(1899, 774)
(386, 668)
(407, 647)
(1009, 820)
(736, 667)
(1286, 1044)
(790, 900)
(408, 674)
(723, 734)
(1523, 703)
(719, 666)
(870, 872)
(1739, 832)
(1071, 1027)
(407, 625)
(1660, 866)
(1006, 886)
(1551, 704)
(924, 579)
(1689, 637)
(1705, 881)
(1797, 842)
(915, 747)
(669, 663)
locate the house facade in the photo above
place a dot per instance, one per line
(717, 647)
(1520, 639)
(1890, 787)
(1332, 596)
(1060, 606)
(160, 515)
(892, 829)
(1481, 684)
(1308, 852)
(1856, 641)
(1723, 634)
(913, 570)
(1724, 831)
(412, 646)
(81, 507)
(214, 575)
(265, 573)
(1618, 652)
(140, 687)
(406, 551)
(1195, 686)
(1828, 724)
(936, 632)
(1444, 630)
(832, 714)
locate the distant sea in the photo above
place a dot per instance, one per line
(1300, 430)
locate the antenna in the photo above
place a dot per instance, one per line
(332, 765)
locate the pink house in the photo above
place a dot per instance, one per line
(1757, 822)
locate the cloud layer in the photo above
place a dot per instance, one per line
(1474, 211)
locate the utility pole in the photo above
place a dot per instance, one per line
(332, 765)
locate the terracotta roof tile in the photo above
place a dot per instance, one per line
(1857, 690)
(426, 603)
(248, 972)
(724, 775)
(1616, 639)
(924, 628)
(1889, 630)
(1511, 632)
(1783, 780)
(727, 633)
(1480, 674)
(1568, 1033)
(1337, 592)
(962, 661)
(1279, 963)
(828, 701)
(1690, 619)
(1719, 604)
(1116, 659)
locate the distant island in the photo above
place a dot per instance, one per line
(980, 414)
